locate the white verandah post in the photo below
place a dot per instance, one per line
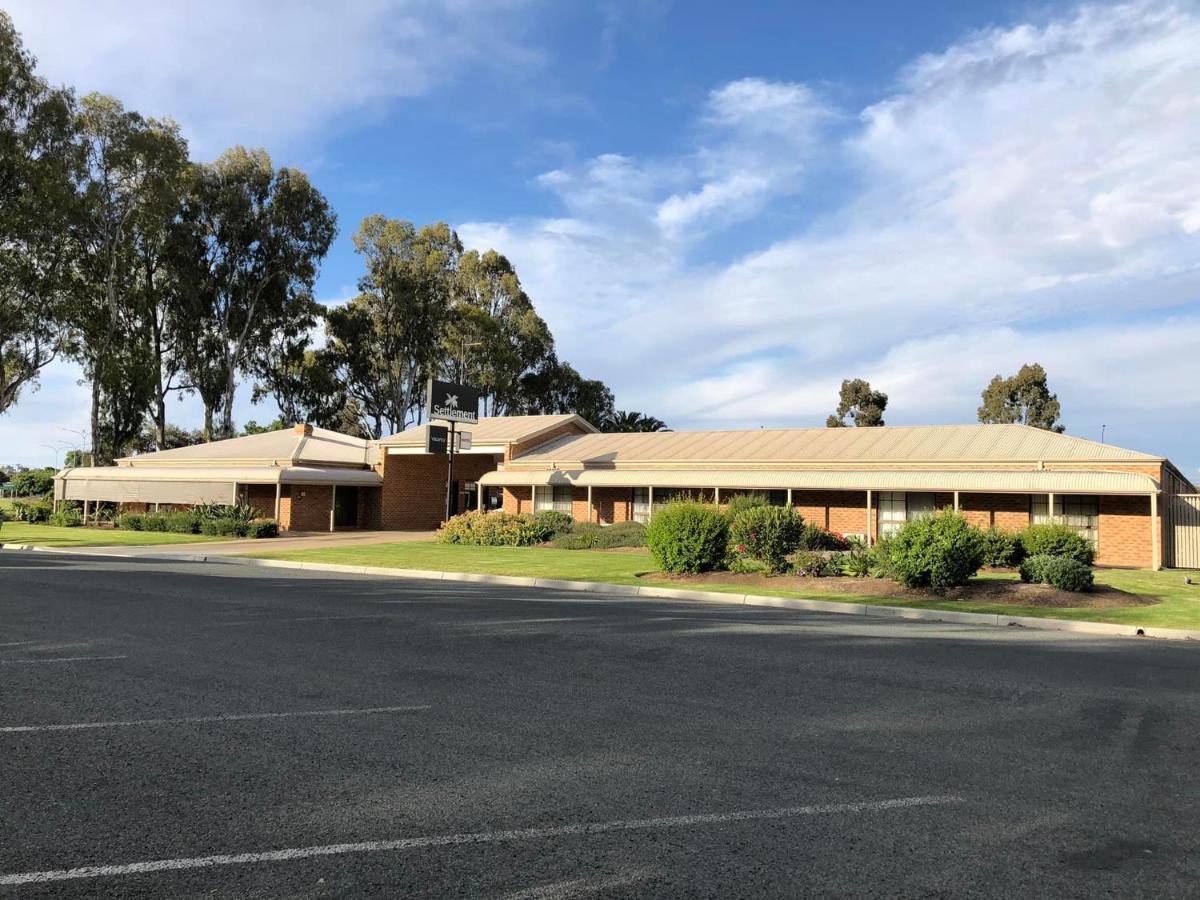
(650, 511)
(591, 509)
(332, 506)
(479, 497)
(870, 535)
(1156, 535)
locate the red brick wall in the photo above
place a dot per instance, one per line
(1009, 512)
(261, 497)
(844, 511)
(309, 512)
(1125, 535)
(414, 487)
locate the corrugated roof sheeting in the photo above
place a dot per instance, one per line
(491, 430)
(882, 480)
(221, 475)
(322, 446)
(921, 443)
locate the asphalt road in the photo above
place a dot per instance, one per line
(273, 734)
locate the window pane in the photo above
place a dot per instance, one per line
(919, 506)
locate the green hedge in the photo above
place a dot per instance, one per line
(1002, 549)
(769, 534)
(1062, 572)
(590, 536)
(494, 529)
(688, 537)
(1057, 540)
(937, 552)
(553, 522)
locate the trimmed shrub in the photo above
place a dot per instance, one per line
(582, 536)
(768, 533)
(226, 526)
(131, 521)
(937, 552)
(494, 529)
(623, 534)
(1062, 572)
(1002, 549)
(688, 537)
(879, 558)
(263, 528)
(1057, 540)
(66, 517)
(553, 522)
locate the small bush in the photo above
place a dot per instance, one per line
(131, 521)
(582, 536)
(937, 552)
(857, 561)
(227, 526)
(263, 528)
(1002, 549)
(623, 534)
(66, 517)
(553, 522)
(739, 503)
(1057, 540)
(32, 511)
(879, 558)
(1062, 572)
(814, 564)
(494, 529)
(744, 564)
(768, 533)
(688, 537)
(814, 537)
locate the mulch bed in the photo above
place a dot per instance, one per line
(1006, 593)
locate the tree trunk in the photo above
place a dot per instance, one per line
(97, 436)
(208, 421)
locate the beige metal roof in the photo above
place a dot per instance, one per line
(283, 447)
(892, 444)
(284, 474)
(493, 430)
(1031, 482)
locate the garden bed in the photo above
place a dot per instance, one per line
(986, 590)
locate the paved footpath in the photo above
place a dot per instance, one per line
(170, 729)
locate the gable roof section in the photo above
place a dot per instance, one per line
(282, 447)
(494, 430)
(916, 444)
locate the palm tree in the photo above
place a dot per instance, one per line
(632, 421)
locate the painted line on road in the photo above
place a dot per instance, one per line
(18, 643)
(479, 837)
(305, 619)
(230, 717)
(57, 659)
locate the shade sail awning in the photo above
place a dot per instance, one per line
(202, 484)
(1015, 482)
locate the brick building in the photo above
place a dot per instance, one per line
(865, 481)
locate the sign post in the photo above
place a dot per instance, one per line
(451, 403)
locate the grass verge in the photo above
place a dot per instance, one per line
(53, 536)
(1178, 604)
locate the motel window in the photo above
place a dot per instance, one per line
(1079, 513)
(641, 505)
(556, 497)
(777, 498)
(898, 507)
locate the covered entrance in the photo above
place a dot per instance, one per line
(345, 507)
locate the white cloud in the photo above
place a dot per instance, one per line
(1019, 179)
(261, 72)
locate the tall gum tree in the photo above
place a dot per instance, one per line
(256, 236)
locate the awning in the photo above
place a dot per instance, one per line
(207, 484)
(1017, 482)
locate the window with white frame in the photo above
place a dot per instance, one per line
(641, 504)
(1078, 512)
(556, 497)
(898, 507)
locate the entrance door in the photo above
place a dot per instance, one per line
(345, 508)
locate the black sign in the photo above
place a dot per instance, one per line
(436, 439)
(452, 402)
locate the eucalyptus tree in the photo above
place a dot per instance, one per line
(390, 338)
(125, 192)
(1024, 398)
(494, 336)
(253, 237)
(38, 160)
(863, 405)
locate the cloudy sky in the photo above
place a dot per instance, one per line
(724, 209)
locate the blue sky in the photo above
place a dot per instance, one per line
(724, 209)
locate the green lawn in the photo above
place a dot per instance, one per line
(50, 536)
(1178, 606)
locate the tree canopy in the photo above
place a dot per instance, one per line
(864, 406)
(1023, 399)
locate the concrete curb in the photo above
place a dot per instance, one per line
(598, 587)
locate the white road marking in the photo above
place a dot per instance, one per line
(575, 887)
(45, 646)
(230, 717)
(56, 659)
(17, 643)
(479, 837)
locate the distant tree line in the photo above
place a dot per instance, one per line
(159, 276)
